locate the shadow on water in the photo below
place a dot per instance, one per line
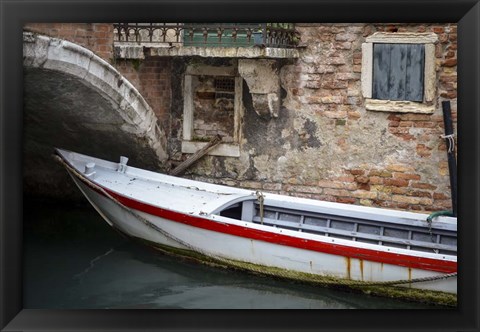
(74, 260)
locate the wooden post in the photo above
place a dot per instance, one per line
(197, 155)
(452, 163)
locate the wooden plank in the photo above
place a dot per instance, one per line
(381, 64)
(397, 71)
(193, 158)
(415, 73)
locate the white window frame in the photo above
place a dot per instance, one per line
(222, 149)
(427, 106)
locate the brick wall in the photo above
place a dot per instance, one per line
(151, 77)
(97, 37)
(325, 145)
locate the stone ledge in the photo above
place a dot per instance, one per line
(403, 37)
(139, 51)
(223, 149)
(398, 106)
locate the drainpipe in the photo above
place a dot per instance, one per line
(450, 141)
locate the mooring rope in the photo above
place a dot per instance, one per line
(451, 142)
(319, 279)
(261, 199)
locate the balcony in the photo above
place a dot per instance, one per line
(233, 40)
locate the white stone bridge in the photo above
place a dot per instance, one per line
(75, 100)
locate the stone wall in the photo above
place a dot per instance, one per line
(325, 145)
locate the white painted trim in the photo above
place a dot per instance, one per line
(223, 149)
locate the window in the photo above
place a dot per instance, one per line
(212, 106)
(398, 72)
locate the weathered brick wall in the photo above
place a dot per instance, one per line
(326, 145)
(151, 77)
(97, 37)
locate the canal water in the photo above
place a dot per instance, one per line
(74, 260)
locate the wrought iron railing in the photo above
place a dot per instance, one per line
(280, 35)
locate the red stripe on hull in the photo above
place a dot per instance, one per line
(286, 240)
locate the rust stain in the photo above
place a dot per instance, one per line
(361, 267)
(349, 265)
(410, 275)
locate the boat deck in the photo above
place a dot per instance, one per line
(383, 227)
(156, 189)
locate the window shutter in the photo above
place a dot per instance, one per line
(398, 71)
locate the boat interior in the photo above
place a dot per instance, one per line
(415, 235)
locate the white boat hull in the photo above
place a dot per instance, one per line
(222, 246)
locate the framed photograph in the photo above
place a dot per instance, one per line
(333, 154)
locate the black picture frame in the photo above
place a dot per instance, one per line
(14, 14)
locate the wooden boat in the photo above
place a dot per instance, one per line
(274, 234)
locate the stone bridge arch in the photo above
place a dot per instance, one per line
(75, 100)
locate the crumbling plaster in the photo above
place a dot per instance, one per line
(264, 84)
(325, 143)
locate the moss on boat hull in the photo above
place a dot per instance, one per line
(394, 292)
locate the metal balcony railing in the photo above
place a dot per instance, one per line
(280, 35)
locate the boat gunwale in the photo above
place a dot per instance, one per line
(315, 206)
(226, 226)
(270, 234)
